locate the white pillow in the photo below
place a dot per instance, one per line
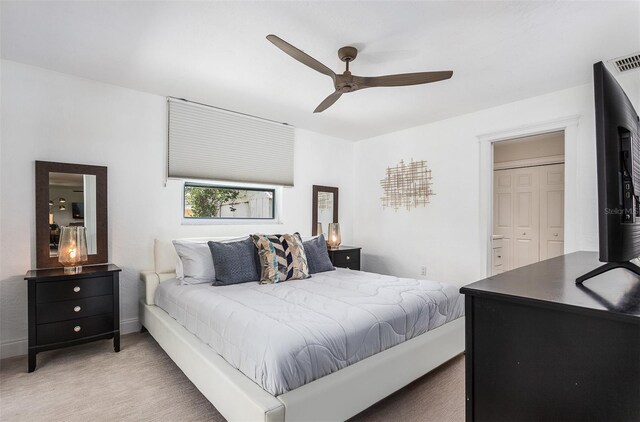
(179, 270)
(195, 265)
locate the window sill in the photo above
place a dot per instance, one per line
(229, 222)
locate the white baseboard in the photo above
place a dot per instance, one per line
(13, 348)
(128, 326)
(19, 347)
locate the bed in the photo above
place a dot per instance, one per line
(324, 348)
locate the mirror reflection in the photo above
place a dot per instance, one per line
(325, 210)
(72, 202)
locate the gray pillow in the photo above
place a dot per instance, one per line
(234, 262)
(317, 255)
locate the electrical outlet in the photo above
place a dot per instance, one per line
(423, 270)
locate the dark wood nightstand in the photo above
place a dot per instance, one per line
(345, 257)
(70, 309)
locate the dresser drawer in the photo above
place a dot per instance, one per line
(57, 332)
(74, 309)
(55, 291)
(342, 258)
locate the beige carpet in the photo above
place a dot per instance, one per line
(141, 383)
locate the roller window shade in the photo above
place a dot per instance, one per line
(209, 143)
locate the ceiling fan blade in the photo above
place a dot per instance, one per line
(402, 79)
(328, 102)
(301, 56)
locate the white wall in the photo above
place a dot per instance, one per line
(444, 235)
(58, 117)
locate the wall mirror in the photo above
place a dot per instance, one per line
(70, 195)
(324, 208)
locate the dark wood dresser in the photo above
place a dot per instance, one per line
(345, 257)
(541, 348)
(70, 309)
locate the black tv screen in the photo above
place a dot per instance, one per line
(77, 210)
(618, 161)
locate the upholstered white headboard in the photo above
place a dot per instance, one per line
(165, 259)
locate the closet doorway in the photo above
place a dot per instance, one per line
(528, 200)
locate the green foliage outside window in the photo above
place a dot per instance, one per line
(207, 202)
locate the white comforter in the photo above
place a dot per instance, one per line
(288, 334)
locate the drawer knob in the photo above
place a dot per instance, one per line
(555, 234)
(524, 233)
(77, 328)
(76, 289)
(348, 257)
(76, 309)
(499, 256)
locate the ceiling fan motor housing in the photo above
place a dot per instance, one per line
(348, 54)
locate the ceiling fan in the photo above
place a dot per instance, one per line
(346, 82)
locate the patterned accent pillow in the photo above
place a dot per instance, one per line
(282, 257)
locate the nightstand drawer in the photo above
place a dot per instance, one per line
(55, 291)
(350, 266)
(342, 258)
(57, 332)
(74, 309)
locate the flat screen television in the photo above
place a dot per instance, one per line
(77, 210)
(618, 164)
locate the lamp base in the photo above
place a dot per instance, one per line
(73, 270)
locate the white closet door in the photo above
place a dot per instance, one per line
(526, 216)
(551, 211)
(503, 188)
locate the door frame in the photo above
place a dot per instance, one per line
(569, 125)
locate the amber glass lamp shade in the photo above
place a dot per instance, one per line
(72, 250)
(333, 236)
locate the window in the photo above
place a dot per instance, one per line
(227, 202)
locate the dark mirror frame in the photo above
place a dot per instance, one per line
(43, 168)
(314, 210)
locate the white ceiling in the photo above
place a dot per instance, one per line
(216, 52)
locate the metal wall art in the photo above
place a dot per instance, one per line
(407, 185)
